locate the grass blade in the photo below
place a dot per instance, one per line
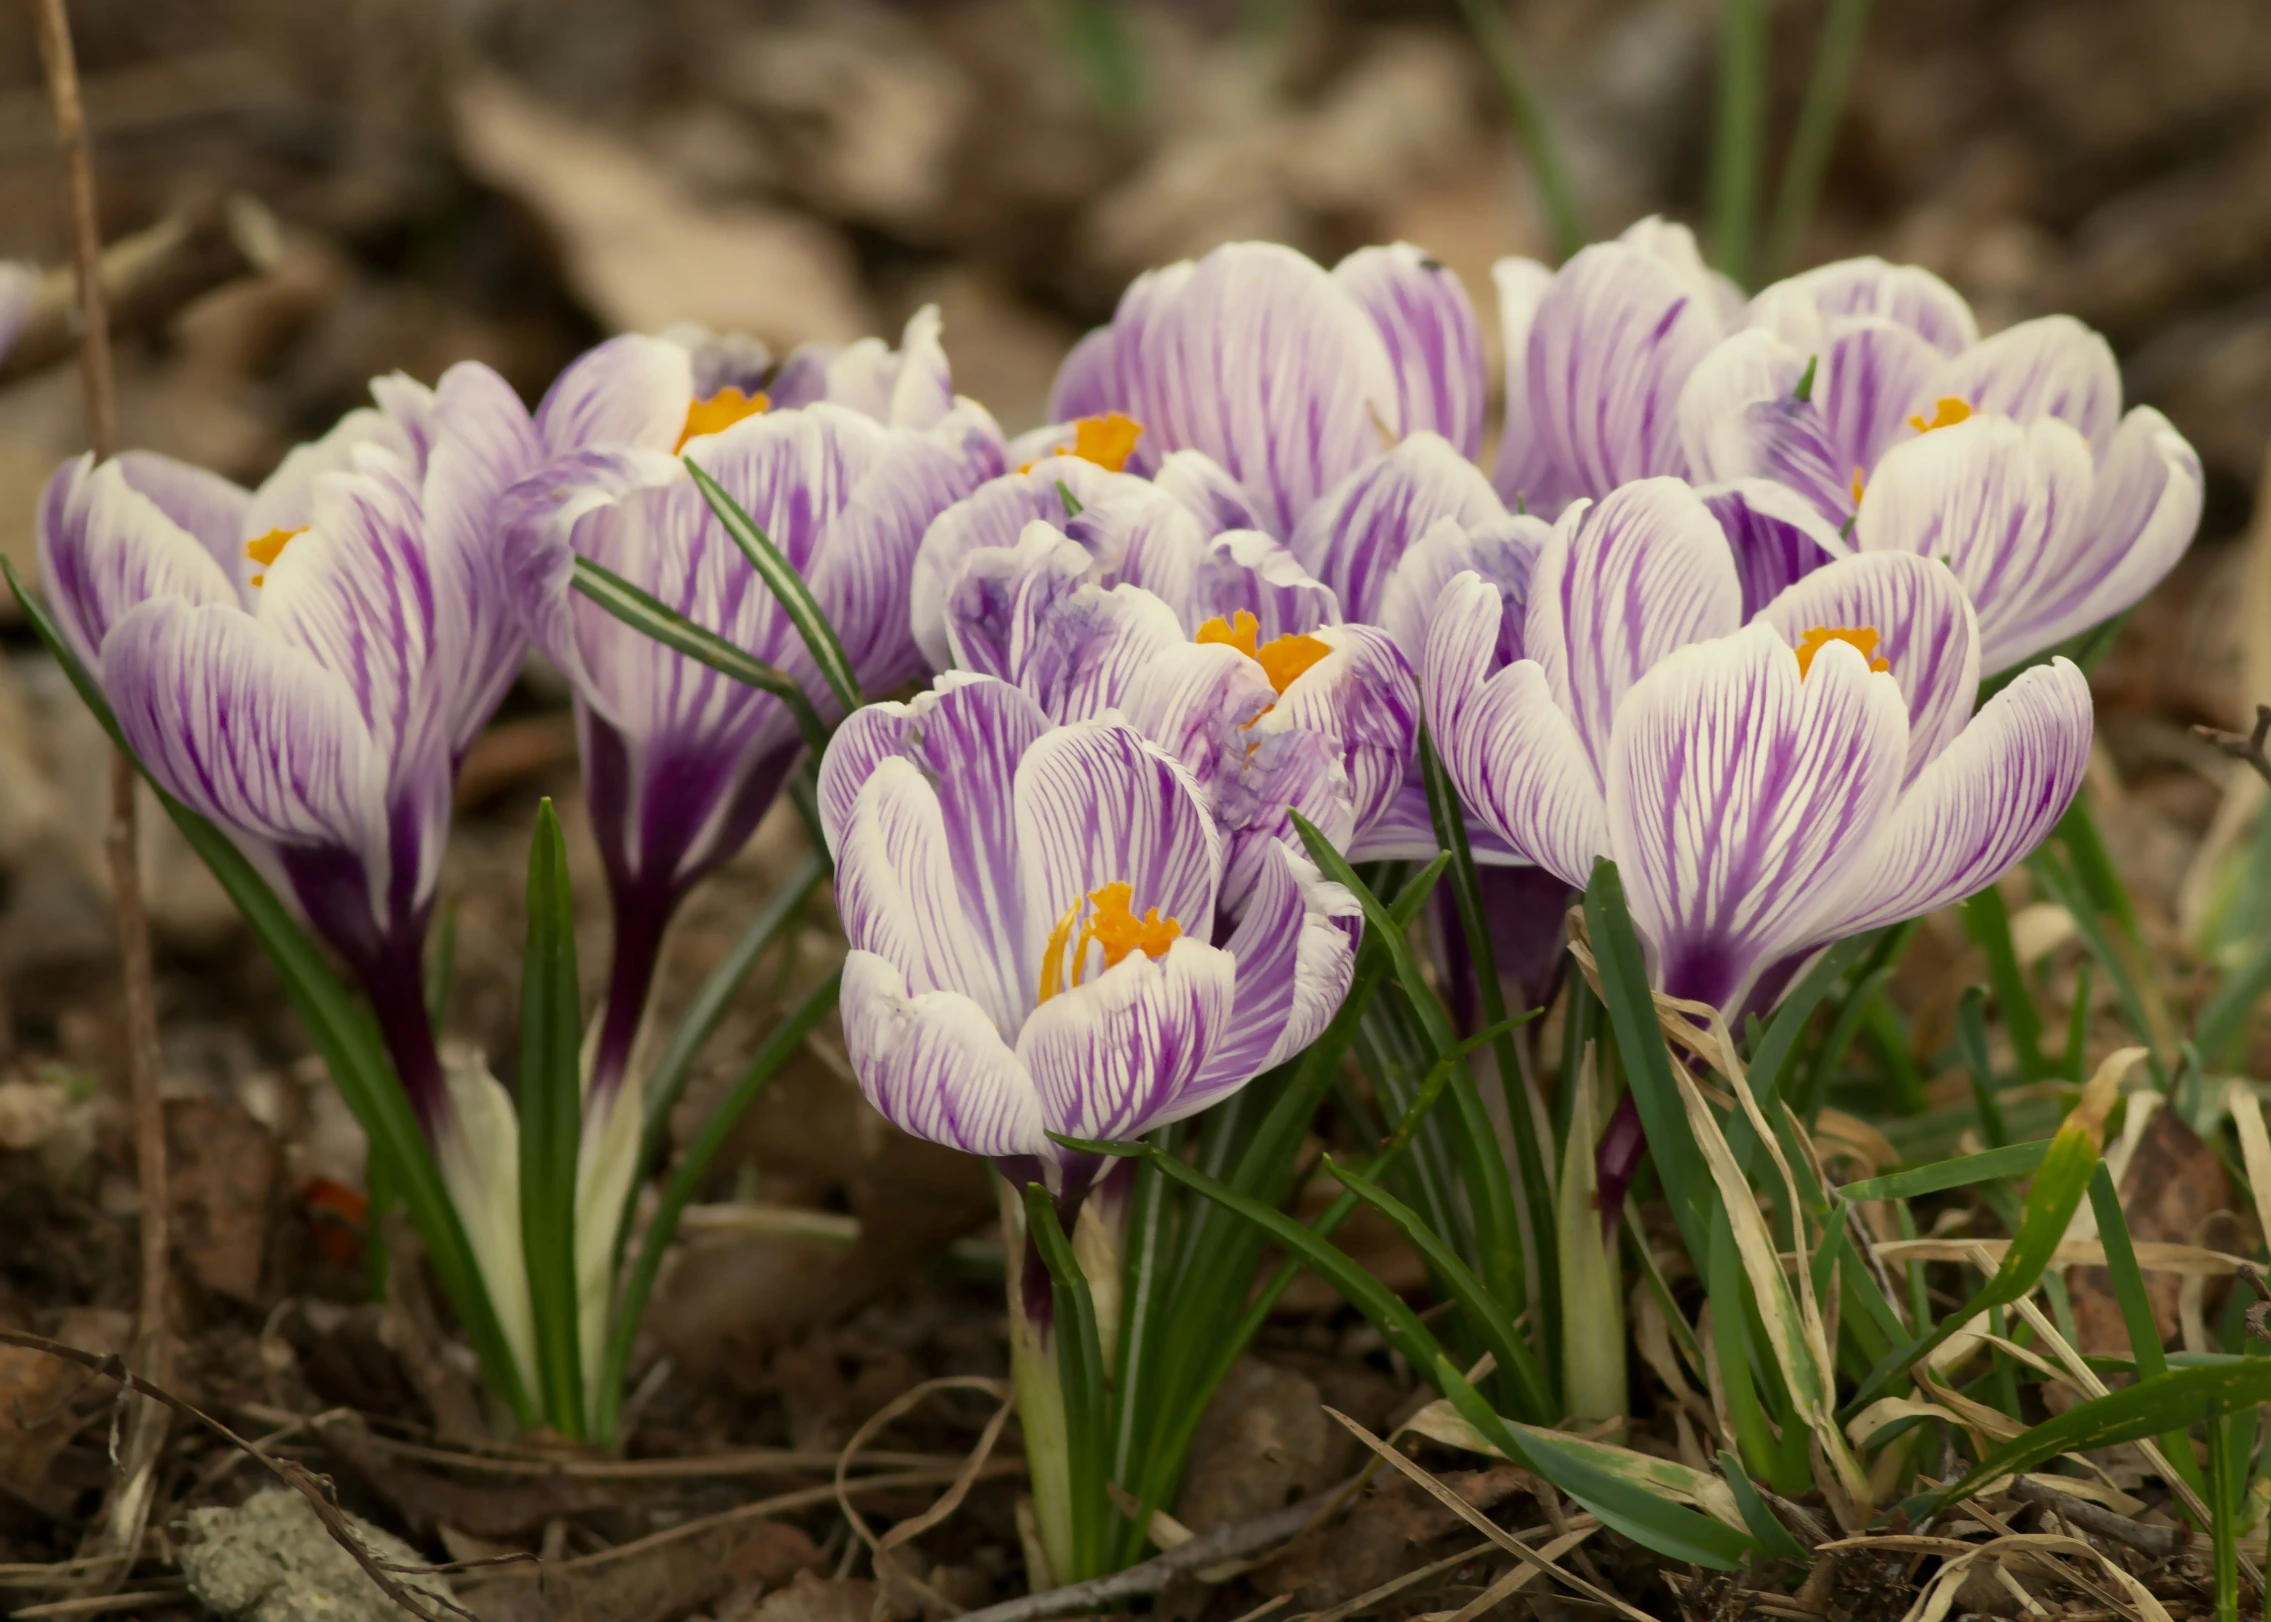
(1738, 149)
(1816, 135)
(1080, 1371)
(1631, 1007)
(1988, 921)
(551, 1124)
(2169, 1402)
(1483, 1310)
(1527, 112)
(788, 588)
(1529, 1157)
(650, 616)
(2017, 1160)
(1671, 1530)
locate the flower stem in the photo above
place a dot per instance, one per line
(1040, 1389)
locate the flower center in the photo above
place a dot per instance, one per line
(1945, 414)
(266, 550)
(718, 413)
(1282, 660)
(1112, 924)
(1108, 441)
(1863, 637)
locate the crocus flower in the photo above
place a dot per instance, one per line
(1286, 377)
(1865, 389)
(680, 761)
(1597, 354)
(1318, 719)
(1034, 943)
(306, 664)
(1765, 789)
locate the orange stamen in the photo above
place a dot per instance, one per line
(1113, 926)
(1859, 482)
(718, 413)
(1108, 441)
(1239, 631)
(1282, 660)
(1863, 637)
(1946, 413)
(268, 548)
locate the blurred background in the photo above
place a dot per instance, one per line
(414, 182)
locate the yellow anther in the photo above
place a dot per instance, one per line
(1863, 637)
(718, 413)
(268, 548)
(1113, 925)
(1282, 659)
(1946, 413)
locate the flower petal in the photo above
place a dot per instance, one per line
(1364, 697)
(1740, 796)
(1610, 348)
(1353, 537)
(1095, 805)
(1524, 462)
(1620, 583)
(1992, 796)
(1117, 1056)
(400, 425)
(1086, 385)
(1775, 534)
(1507, 745)
(631, 390)
(1433, 339)
(358, 593)
(2052, 366)
(105, 546)
(932, 903)
(1217, 500)
(1503, 552)
(1804, 309)
(1255, 356)
(1295, 950)
(484, 442)
(1029, 616)
(246, 729)
(1874, 375)
(996, 513)
(2144, 508)
(1927, 630)
(967, 734)
(932, 1064)
(1261, 785)
(2004, 504)
(1246, 571)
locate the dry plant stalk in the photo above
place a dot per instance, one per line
(117, 1536)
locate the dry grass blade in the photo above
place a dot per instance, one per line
(1940, 1596)
(889, 1576)
(2154, 1256)
(2254, 1146)
(1484, 1524)
(1499, 1592)
(1395, 1585)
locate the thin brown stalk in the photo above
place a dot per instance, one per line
(126, 1512)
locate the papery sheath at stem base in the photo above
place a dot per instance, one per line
(1040, 1387)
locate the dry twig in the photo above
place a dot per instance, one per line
(2250, 749)
(148, 277)
(1207, 1549)
(127, 1510)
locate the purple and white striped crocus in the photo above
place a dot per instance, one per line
(1272, 712)
(1865, 389)
(1597, 354)
(1035, 947)
(1284, 377)
(1765, 789)
(680, 761)
(306, 664)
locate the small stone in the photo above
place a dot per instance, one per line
(270, 1560)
